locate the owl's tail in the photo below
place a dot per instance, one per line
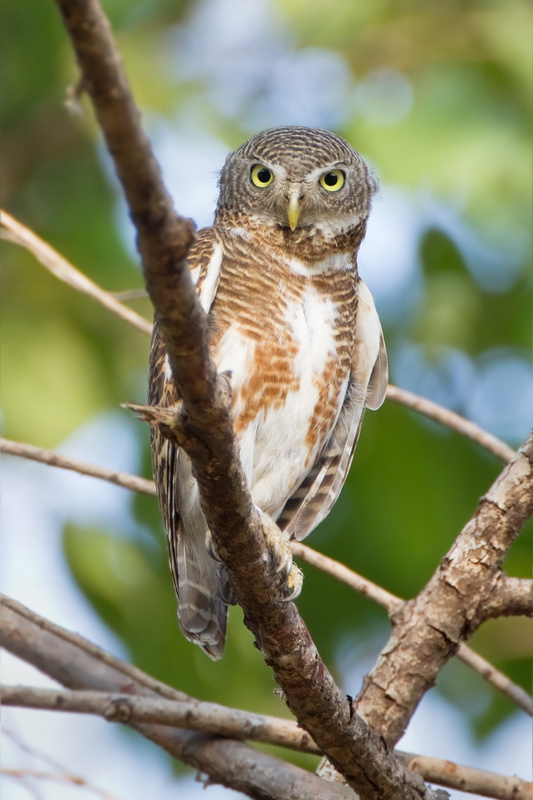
(202, 611)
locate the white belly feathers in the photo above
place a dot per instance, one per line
(275, 447)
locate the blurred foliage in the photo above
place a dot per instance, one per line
(413, 485)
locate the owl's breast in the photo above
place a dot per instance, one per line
(289, 353)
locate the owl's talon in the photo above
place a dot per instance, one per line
(290, 578)
(293, 584)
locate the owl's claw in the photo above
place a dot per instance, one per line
(289, 575)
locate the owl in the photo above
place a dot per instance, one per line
(297, 334)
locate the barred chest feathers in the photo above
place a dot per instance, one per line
(287, 341)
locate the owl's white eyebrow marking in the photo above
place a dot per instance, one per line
(209, 285)
(316, 173)
(278, 170)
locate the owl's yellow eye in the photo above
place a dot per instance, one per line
(261, 176)
(332, 181)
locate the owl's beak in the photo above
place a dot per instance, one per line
(293, 212)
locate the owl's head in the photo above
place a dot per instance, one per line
(295, 178)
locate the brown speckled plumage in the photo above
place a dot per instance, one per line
(295, 328)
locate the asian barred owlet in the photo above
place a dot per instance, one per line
(295, 329)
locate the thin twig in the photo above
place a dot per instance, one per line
(13, 231)
(127, 295)
(127, 481)
(498, 679)
(451, 420)
(468, 779)
(56, 777)
(213, 718)
(346, 575)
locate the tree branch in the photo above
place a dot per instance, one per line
(13, 231)
(78, 664)
(451, 420)
(132, 482)
(477, 663)
(55, 777)
(512, 597)
(497, 679)
(213, 718)
(429, 628)
(468, 779)
(190, 714)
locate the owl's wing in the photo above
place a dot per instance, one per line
(202, 612)
(317, 494)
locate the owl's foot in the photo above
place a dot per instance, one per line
(289, 575)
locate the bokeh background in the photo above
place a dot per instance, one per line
(436, 96)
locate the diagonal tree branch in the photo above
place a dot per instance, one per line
(213, 718)
(13, 231)
(429, 628)
(127, 481)
(451, 420)
(510, 604)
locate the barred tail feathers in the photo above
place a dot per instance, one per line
(202, 612)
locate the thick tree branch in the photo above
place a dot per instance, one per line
(212, 718)
(189, 713)
(78, 664)
(477, 663)
(429, 628)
